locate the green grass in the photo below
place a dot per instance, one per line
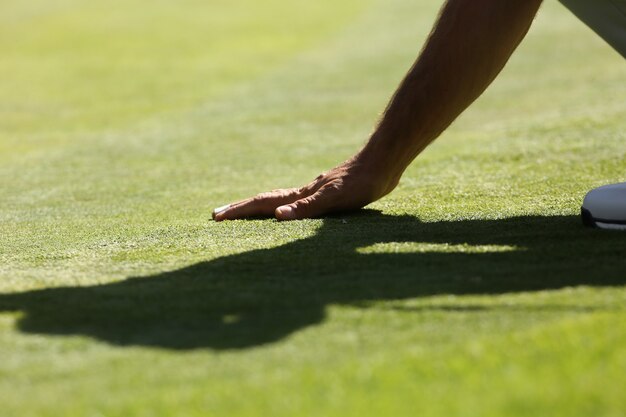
(471, 290)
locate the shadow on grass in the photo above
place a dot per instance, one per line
(262, 296)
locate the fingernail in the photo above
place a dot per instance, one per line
(220, 209)
(285, 213)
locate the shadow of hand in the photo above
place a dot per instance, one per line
(261, 296)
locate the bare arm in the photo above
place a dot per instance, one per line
(469, 45)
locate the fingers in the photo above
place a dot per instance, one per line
(323, 195)
(315, 205)
(263, 205)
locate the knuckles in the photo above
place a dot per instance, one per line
(333, 187)
(279, 194)
(261, 197)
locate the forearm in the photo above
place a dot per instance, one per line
(469, 45)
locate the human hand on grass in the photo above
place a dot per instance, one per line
(434, 93)
(349, 186)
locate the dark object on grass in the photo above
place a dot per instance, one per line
(262, 296)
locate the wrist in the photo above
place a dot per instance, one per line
(384, 157)
(378, 165)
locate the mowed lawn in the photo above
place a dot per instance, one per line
(472, 290)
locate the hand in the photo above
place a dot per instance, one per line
(350, 186)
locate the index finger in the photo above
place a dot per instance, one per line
(262, 205)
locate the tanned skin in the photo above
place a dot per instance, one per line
(469, 45)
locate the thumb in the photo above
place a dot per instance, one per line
(312, 206)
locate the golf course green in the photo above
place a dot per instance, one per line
(472, 290)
